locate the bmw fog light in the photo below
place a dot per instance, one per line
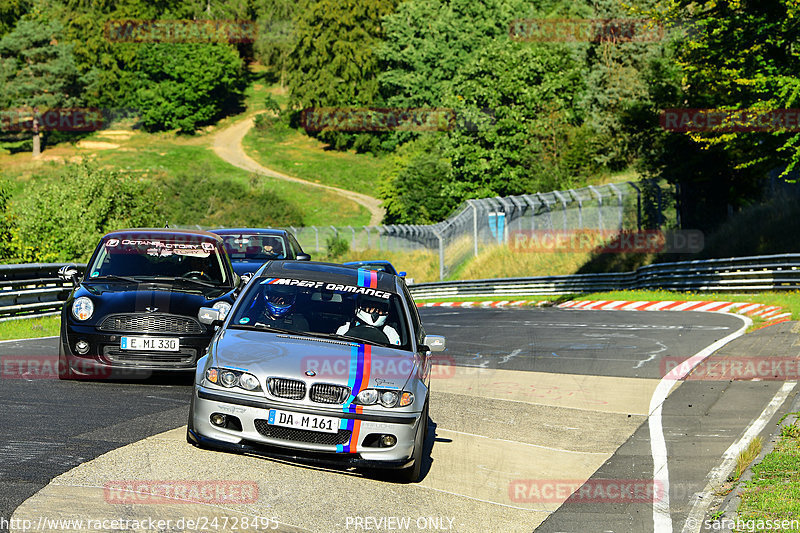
(82, 347)
(387, 441)
(218, 419)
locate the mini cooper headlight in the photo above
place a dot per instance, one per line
(82, 308)
(248, 381)
(223, 308)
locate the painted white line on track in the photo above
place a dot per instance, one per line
(662, 520)
(702, 500)
(31, 339)
(421, 486)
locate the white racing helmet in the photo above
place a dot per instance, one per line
(372, 311)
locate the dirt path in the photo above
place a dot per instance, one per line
(228, 146)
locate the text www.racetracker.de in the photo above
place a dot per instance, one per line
(197, 523)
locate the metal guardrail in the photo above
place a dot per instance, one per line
(745, 274)
(31, 290)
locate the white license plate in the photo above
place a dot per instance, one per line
(155, 344)
(325, 424)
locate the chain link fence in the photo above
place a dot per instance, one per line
(478, 224)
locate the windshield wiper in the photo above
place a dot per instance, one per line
(190, 280)
(115, 277)
(262, 326)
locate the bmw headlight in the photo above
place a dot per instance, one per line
(248, 381)
(367, 397)
(223, 308)
(82, 308)
(233, 378)
(385, 397)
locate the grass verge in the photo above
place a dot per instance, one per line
(294, 153)
(29, 328)
(773, 493)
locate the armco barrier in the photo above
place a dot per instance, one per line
(31, 290)
(743, 274)
(36, 289)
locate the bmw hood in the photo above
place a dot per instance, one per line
(313, 360)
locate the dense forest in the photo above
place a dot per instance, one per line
(529, 106)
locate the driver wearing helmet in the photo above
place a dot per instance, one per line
(370, 322)
(279, 302)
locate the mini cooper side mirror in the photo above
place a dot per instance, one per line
(209, 316)
(303, 257)
(69, 273)
(246, 277)
(435, 343)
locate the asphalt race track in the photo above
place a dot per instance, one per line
(528, 407)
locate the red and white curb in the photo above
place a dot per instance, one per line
(503, 303)
(771, 312)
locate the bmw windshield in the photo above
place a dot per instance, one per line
(323, 309)
(141, 258)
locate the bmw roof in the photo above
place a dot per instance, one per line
(330, 273)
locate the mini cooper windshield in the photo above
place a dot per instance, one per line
(326, 310)
(145, 259)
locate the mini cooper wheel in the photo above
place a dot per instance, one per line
(64, 370)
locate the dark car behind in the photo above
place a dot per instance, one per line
(249, 248)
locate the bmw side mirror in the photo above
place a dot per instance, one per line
(434, 343)
(209, 316)
(303, 257)
(69, 273)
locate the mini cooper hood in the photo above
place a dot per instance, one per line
(312, 359)
(182, 299)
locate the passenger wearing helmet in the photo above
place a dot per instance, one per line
(370, 323)
(279, 309)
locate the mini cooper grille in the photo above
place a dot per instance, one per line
(291, 389)
(302, 435)
(324, 393)
(151, 324)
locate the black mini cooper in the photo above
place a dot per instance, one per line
(135, 310)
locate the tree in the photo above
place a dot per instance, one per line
(6, 224)
(531, 90)
(333, 63)
(184, 85)
(412, 183)
(10, 12)
(37, 71)
(66, 218)
(732, 56)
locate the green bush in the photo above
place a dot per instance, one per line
(336, 247)
(64, 219)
